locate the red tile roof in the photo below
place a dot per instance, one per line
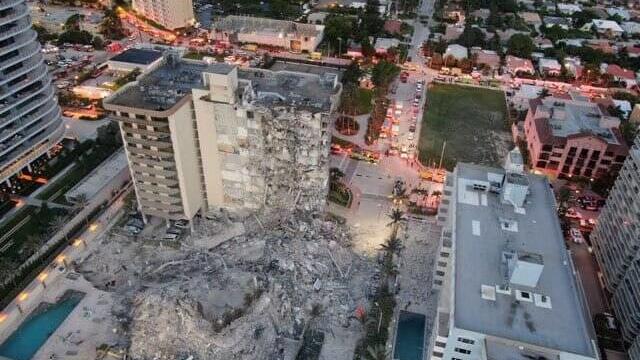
(392, 26)
(620, 73)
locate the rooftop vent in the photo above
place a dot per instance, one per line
(488, 292)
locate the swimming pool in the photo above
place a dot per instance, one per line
(39, 325)
(410, 336)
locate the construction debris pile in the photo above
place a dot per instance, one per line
(250, 297)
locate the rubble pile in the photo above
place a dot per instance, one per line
(250, 297)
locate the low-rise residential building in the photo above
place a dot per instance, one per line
(625, 76)
(487, 58)
(459, 52)
(268, 32)
(516, 65)
(507, 288)
(172, 14)
(128, 60)
(200, 136)
(549, 67)
(607, 28)
(569, 9)
(631, 27)
(551, 21)
(383, 45)
(531, 18)
(522, 97)
(620, 12)
(568, 138)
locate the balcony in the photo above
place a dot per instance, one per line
(26, 121)
(153, 171)
(22, 26)
(16, 100)
(21, 40)
(23, 137)
(160, 154)
(4, 4)
(154, 179)
(24, 53)
(31, 78)
(30, 150)
(26, 67)
(19, 12)
(20, 111)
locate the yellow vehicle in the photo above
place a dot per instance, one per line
(315, 55)
(250, 47)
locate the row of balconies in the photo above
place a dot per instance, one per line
(27, 65)
(156, 124)
(149, 161)
(23, 136)
(169, 190)
(26, 93)
(22, 54)
(53, 134)
(20, 26)
(26, 121)
(26, 38)
(18, 111)
(17, 12)
(172, 181)
(5, 4)
(38, 74)
(140, 151)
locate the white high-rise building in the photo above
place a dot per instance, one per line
(172, 14)
(200, 136)
(505, 279)
(30, 122)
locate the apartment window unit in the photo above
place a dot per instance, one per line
(541, 164)
(466, 341)
(160, 119)
(608, 153)
(592, 164)
(440, 344)
(595, 155)
(547, 148)
(580, 162)
(584, 153)
(544, 156)
(588, 172)
(141, 117)
(605, 162)
(555, 154)
(462, 351)
(572, 150)
(576, 171)
(124, 114)
(620, 158)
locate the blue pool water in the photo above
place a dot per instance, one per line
(35, 331)
(410, 336)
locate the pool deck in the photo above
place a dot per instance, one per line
(90, 323)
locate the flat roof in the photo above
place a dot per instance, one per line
(251, 24)
(481, 240)
(571, 117)
(137, 56)
(165, 86)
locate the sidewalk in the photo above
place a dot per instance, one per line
(18, 310)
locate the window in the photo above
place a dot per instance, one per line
(584, 153)
(546, 148)
(440, 344)
(466, 341)
(595, 155)
(620, 158)
(572, 150)
(608, 153)
(124, 114)
(462, 351)
(565, 169)
(140, 116)
(541, 164)
(249, 114)
(525, 295)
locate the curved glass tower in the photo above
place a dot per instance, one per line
(30, 122)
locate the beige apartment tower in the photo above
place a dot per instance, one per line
(172, 14)
(201, 136)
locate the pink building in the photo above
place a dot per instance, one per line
(568, 138)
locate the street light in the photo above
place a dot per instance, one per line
(42, 278)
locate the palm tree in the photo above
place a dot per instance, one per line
(392, 245)
(397, 216)
(80, 203)
(57, 224)
(377, 352)
(7, 271)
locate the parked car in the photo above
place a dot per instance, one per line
(576, 236)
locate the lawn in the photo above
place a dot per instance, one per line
(356, 101)
(473, 122)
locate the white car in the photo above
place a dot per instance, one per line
(576, 236)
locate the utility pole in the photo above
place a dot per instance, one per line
(444, 144)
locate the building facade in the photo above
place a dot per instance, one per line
(504, 278)
(30, 121)
(172, 14)
(567, 138)
(202, 136)
(283, 34)
(616, 245)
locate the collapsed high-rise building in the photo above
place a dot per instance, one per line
(200, 136)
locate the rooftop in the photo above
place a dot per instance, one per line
(99, 177)
(250, 24)
(174, 79)
(138, 56)
(568, 117)
(549, 315)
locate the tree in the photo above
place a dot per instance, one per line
(370, 22)
(397, 217)
(629, 131)
(73, 22)
(383, 73)
(393, 245)
(7, 270)
(377, 352)
(471, 36)
(352, 74)
(544, 93)
(338, 29)
(520, 45)
(43, 34)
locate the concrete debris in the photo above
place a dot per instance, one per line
(248, 297)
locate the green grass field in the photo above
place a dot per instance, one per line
(473, 122)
